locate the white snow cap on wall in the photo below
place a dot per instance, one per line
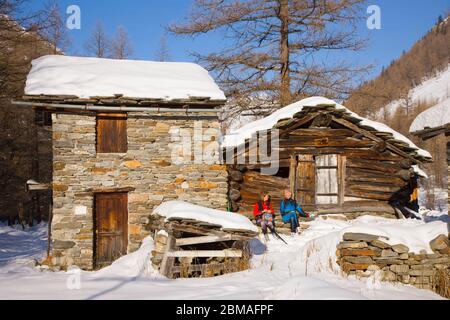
(87, 77)
(239, 136)
(184, 210)
(434, 117)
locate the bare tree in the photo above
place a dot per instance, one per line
(98, 43)
(55, 31)
(20, 43)
(163, 52)
(121, 47)
(274, 46)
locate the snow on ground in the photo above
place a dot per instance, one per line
(22, 247)
(239, 136)
(181, 209)
(303, 269)
(87, 77)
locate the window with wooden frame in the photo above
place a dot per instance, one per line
(318, 180)
(112, 133)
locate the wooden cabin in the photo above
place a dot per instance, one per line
(332, 160)
(432, 123)
(115, 125)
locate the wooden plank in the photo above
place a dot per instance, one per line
(205, 239)
(205, 254)
(324, 133)
(200, 268)
(325, 142)
(369, 135)
(306, 179)
(167, 261)
(293, 175)
(342, 173)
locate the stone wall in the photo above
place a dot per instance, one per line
(79, 172)
(363, 255)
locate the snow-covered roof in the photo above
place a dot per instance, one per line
(239, 136)
(434, 117)
(183, 210)
(88, 77)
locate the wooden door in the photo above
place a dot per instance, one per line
(111, 211)
(306, 180)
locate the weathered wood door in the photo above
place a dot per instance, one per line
(306, 180)
(111, 211)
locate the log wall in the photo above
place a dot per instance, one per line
(372, 174)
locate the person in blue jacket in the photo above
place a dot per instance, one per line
(289, 209)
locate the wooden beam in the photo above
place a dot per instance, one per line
(293, 175)
(167, 261)
(206, 254)
(205, 239)
(200, 268)
(369, 135)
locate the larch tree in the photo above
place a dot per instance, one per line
(98, 43)
(163, 52)
(121, 46)
(277, 48)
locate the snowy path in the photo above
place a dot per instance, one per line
(279, 273)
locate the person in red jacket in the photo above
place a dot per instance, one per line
(264, 214)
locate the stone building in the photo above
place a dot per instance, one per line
(127, 135)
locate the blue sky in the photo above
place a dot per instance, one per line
(403, 23)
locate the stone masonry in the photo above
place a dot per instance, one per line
(363, 255)
(147, 168)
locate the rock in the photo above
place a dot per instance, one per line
(445, 251)
(57, 244)
(440, 243)
(352, 244)
(404, 256)
(363, 274)
(373, 268)
(406, 278)
(380, 244)
(235, 185)
(359, 252)
(399, 269)
(421, 280)
(388, 276)
(235, 195)
(422, 267)
(387, 260)
(388, 253)
(359, 237)
(353, 267)
(421, 273)
(400, 248)
(358, 260)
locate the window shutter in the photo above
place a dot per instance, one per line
(112, 133)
